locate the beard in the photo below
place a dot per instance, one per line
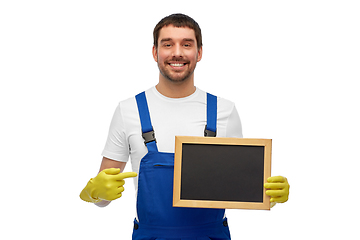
(176, 76)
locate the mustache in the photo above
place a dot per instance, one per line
(177, 60)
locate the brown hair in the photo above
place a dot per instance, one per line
(178, 20)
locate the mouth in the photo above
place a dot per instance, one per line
(177, 65)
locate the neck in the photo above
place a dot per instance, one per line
(176, 89)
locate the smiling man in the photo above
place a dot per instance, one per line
(176, 50)
(173, 107)
(178, 53)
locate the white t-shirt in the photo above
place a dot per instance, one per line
(170, 117)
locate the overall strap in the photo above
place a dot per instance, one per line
(147, 130)
(210, 128)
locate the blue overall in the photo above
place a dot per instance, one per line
(158, 219)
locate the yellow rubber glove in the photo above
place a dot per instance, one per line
(279, 189)
(107, 185)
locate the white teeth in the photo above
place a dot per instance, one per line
(177, 64)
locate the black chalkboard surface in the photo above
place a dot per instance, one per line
(221, 172)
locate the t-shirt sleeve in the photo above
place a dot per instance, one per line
(234, 128)
(117, 146)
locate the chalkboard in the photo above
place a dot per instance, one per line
(211, 172)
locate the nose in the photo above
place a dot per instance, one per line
(177, 51)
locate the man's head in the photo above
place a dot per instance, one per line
(178, 20)
(177, 48)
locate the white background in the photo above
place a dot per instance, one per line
(291, 67)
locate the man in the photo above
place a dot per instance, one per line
(173, 107)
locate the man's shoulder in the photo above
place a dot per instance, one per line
(223, 102)
(132, 99)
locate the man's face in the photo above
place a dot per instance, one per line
(177, 53)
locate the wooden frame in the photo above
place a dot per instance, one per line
(210, 146)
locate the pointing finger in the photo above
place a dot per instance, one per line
(126, 175)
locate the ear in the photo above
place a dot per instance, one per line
(199, 54)
(154, 53)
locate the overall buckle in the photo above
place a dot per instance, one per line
(149, 136)
(209, 133)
